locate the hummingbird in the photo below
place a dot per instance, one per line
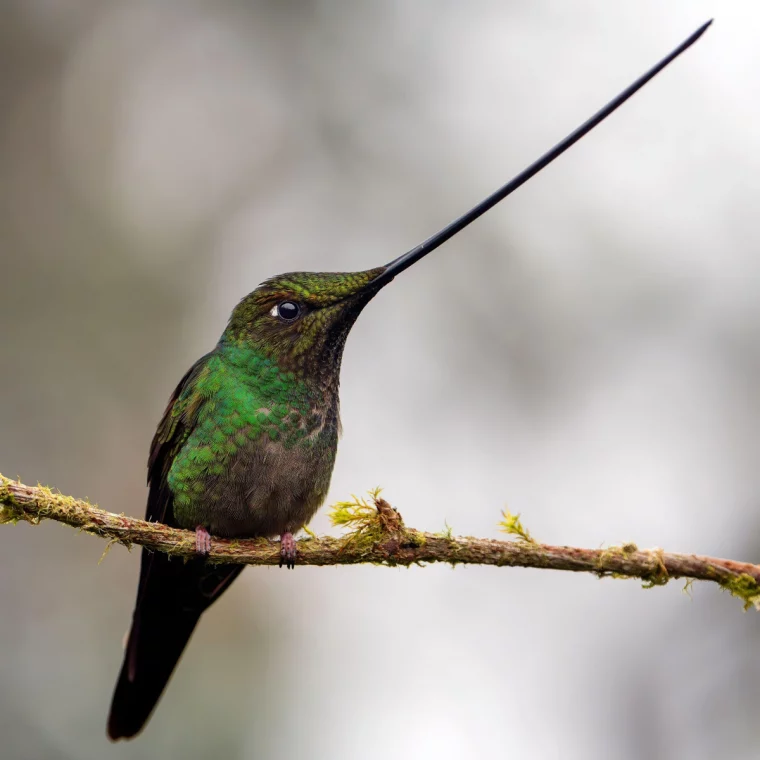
(247, 443)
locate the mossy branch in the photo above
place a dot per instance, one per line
(377, 534)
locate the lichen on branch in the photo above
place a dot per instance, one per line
(376, 534)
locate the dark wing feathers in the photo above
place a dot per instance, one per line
(175, 426)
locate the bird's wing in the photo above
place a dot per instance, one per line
(176, 425)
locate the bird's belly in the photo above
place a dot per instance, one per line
(268, 490)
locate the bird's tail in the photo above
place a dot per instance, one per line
(171, 597)
(156, 642)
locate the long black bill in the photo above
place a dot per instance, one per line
(423, 249)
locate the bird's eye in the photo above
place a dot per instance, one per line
(287, 311)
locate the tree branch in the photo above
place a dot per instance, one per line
(378, 535)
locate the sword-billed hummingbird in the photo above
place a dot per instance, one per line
(247, 444)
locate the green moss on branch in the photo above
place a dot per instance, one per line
(377, 534)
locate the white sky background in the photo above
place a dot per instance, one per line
(588, 354)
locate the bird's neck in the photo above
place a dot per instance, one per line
(274, 381)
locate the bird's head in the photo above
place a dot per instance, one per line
(301, 319)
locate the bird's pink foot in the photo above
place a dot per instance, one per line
(287, 550)
(202, 541)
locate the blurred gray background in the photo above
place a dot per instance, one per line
(588, 354)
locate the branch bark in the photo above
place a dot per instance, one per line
(379, 536)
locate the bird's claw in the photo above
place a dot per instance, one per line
(287, 550)
(202, 541)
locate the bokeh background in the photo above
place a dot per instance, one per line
(588, 354)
